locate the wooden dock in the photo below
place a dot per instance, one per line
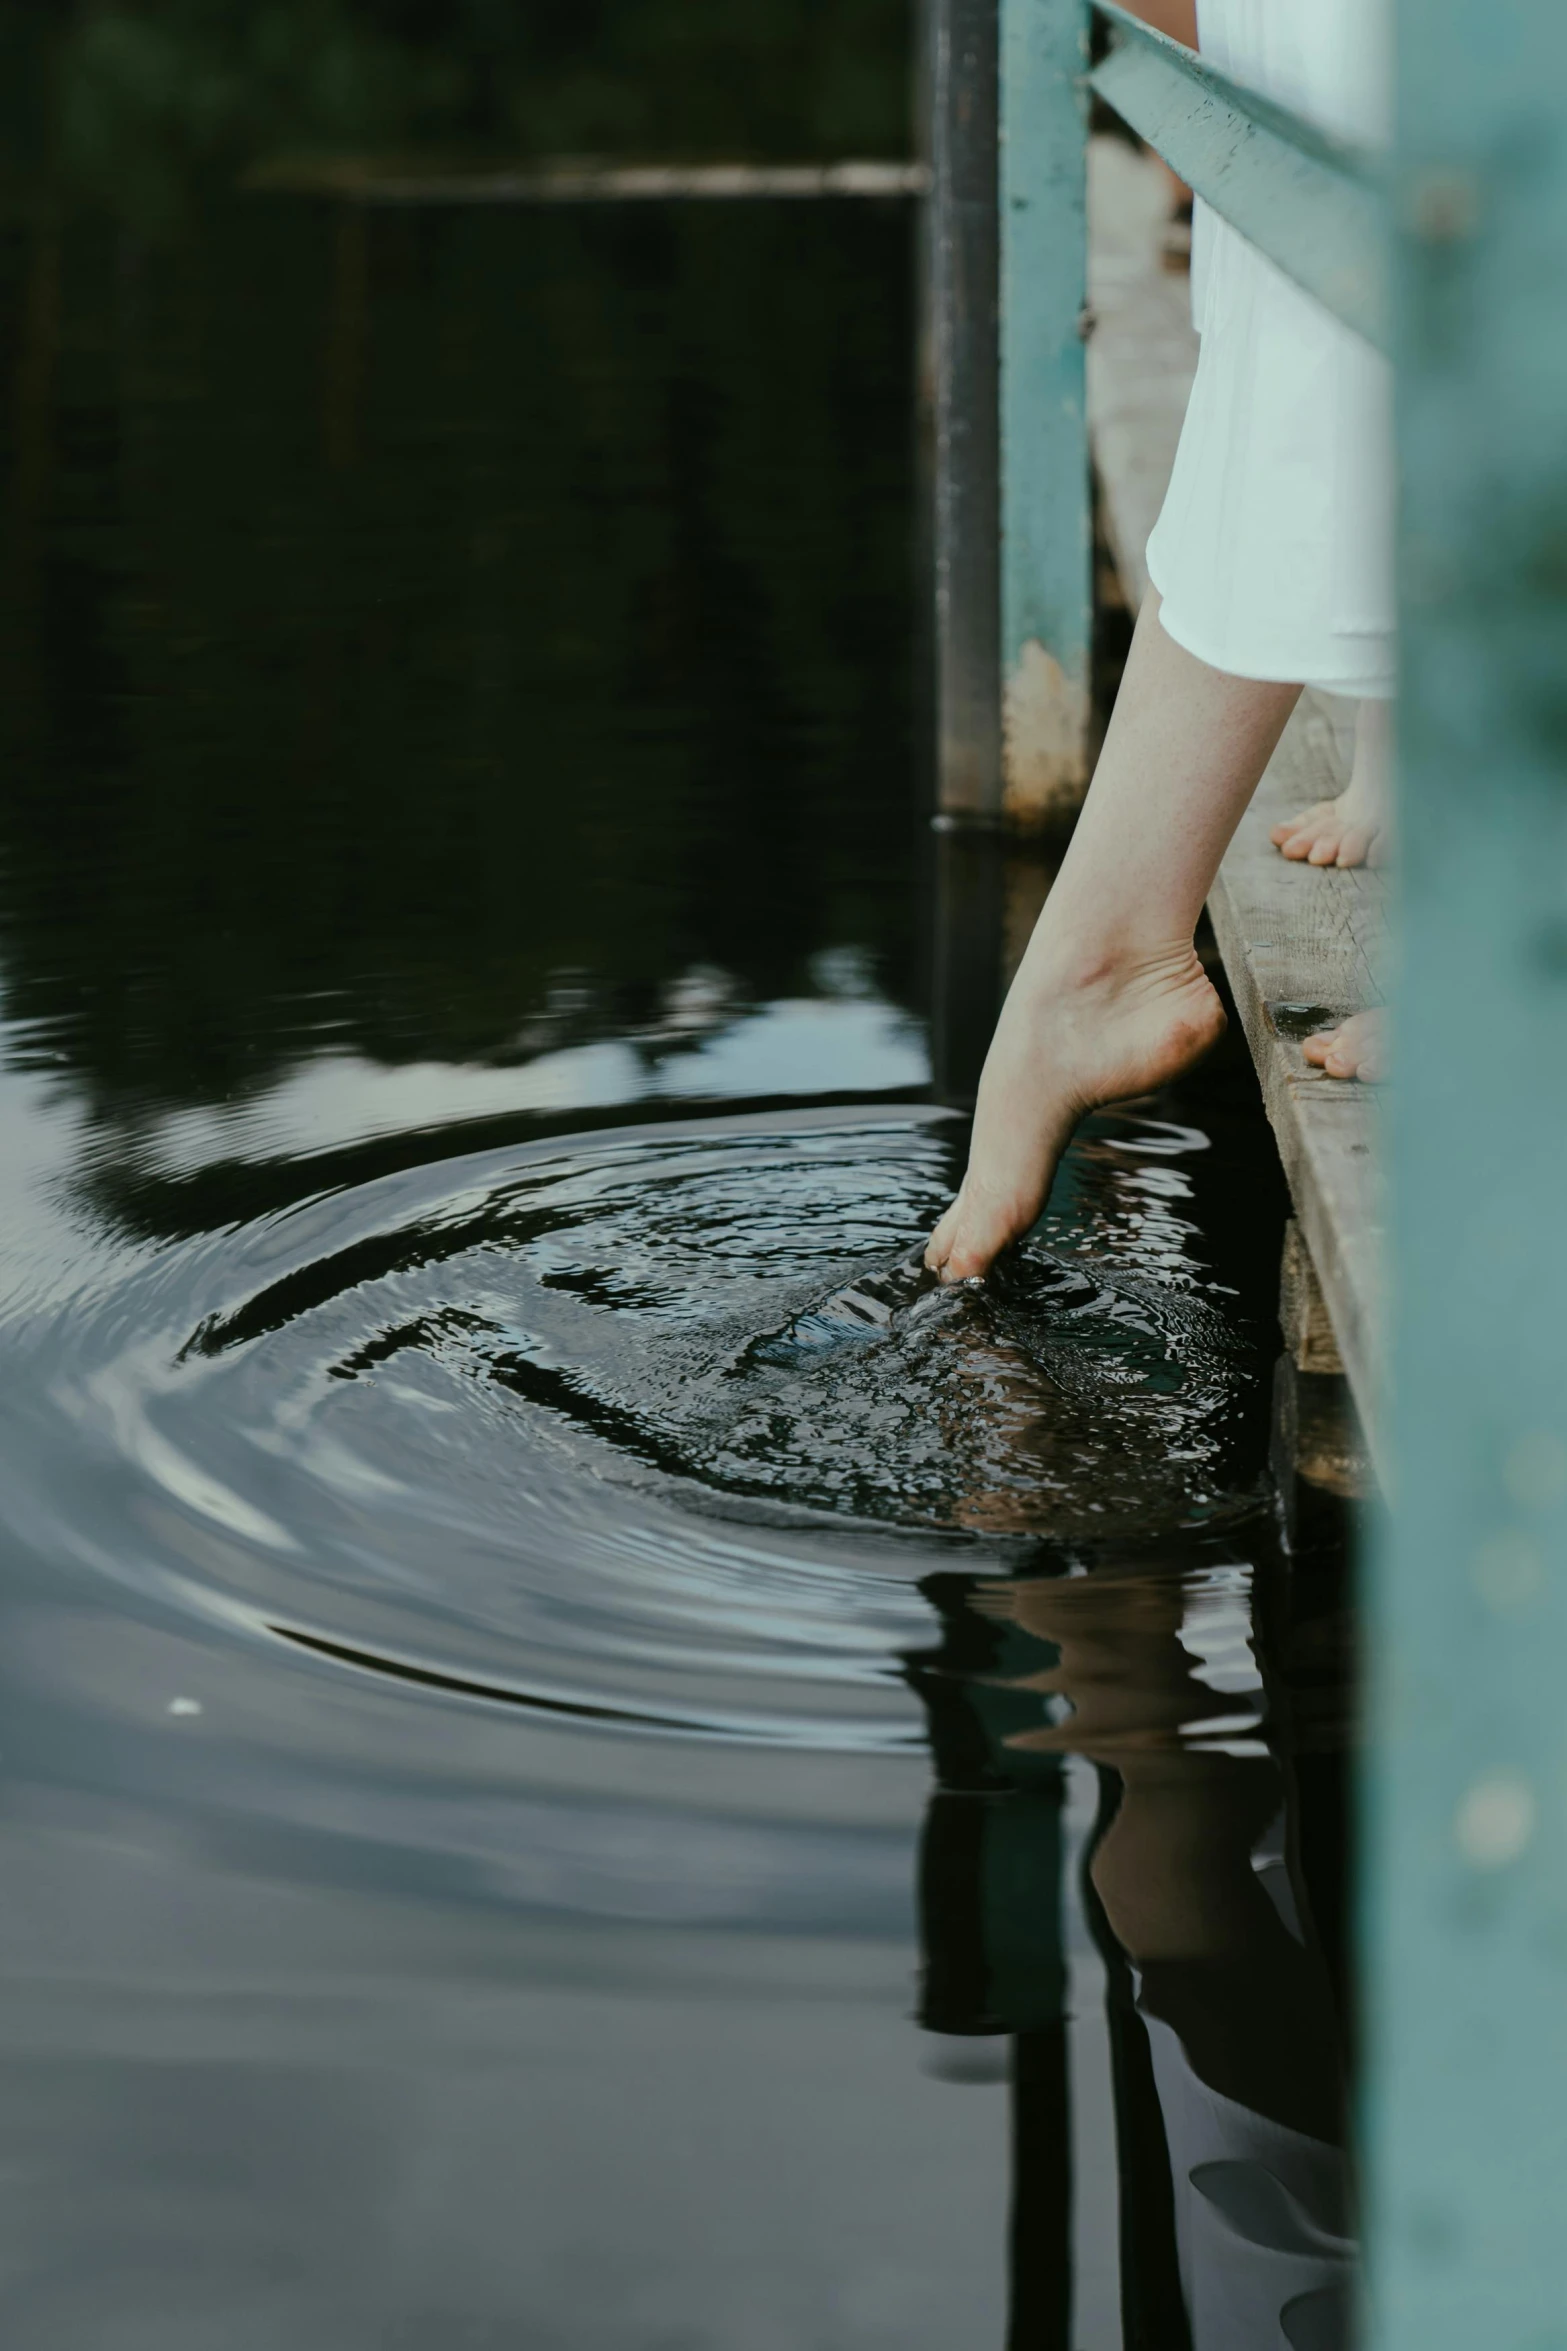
(1299, 944)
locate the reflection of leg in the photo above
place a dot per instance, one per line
(1040, 2253)
(1249, 2004)
(1174, 1869)
(1110, 999)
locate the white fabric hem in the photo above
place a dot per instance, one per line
(1377, 685)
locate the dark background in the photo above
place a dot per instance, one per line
(131, 102)
(432, 631)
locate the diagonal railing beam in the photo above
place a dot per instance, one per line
(1312, 203)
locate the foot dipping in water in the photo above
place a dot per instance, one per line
(1284, 447)
(1110, 1000)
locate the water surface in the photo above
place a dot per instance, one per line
(589, 1761)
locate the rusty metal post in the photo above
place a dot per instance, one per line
(1046, 515)
(963, 246)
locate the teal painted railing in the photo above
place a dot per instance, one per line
(1314, 204)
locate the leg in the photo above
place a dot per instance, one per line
(1110, 999)
(1350, 830)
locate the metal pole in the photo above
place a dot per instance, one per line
(963, 246)
(1047, 532)
(1465, 1894)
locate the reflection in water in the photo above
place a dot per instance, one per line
(1230, 2078)
(497, 1526)
(464, 1414)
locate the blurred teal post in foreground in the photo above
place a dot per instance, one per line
(1046, 534)
(1465, 1881)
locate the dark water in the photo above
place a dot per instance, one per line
(590, 1763)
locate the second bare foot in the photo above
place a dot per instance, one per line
(1069, 1040)
(1341, 832)
(1357, 1048)
(1351, 830)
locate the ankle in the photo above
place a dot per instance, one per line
(1108, 964)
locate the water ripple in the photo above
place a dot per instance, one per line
(659, 1428)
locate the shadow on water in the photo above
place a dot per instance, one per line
(498, 1531)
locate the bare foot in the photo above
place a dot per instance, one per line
(1339, 832)
(1351, 830)
(1357, 1049)
(1068, 1041)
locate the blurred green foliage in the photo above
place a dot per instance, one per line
(132, 103)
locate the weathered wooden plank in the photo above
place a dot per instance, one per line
(1303, 1311)
(1291, 936)
(1294, 938)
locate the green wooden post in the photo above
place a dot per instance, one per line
(961, 245)
(1046, 548)
(1465, 1895)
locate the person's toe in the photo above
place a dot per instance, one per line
(1355, 847)
(977, 1241)
(939, 1247)
(972, 1235)
(1325, 848)
(1316, 1049)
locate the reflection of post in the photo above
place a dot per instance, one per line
(1041, 2231)
(347, 335)
(969, 897)
(963, 245)
(990, 1910)
(32, 442)
(1153, 2308)
(37, 348)
(987, 894)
